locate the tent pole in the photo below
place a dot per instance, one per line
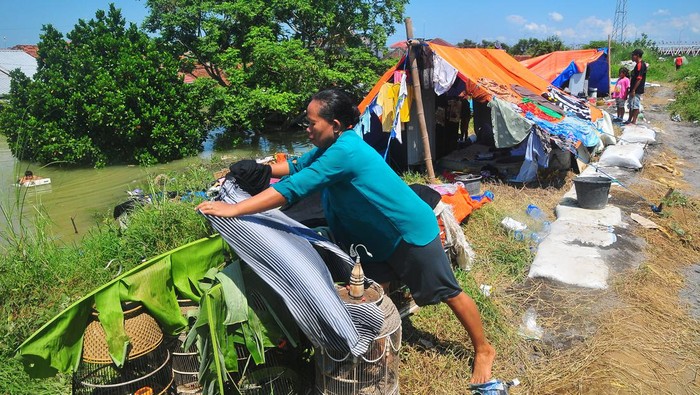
(419, 102)
(609, 69)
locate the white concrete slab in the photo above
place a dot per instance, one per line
(608, 216)
(582, 234)
(571, 264)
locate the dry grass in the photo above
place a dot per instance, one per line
(633, 338)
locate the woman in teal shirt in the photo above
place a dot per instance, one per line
(365, 202)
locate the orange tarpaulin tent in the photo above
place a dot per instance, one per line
(473, 64)
(558, 66)
(549, 66)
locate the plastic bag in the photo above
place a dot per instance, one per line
(529, 328)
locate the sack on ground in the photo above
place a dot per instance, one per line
(629, 156)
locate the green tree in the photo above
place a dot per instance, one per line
(467, 43)
(269, 56)
(536, 47)
(107, 95)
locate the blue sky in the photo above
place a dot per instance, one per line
(507, 21)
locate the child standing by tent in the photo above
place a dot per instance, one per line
(620, 94)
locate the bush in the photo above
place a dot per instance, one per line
(106, 96)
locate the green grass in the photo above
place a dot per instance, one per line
(662, 69)
(687, 103)
(39, 278)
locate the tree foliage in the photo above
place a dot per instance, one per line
(269, 56)
(107, 95)
(536, 47)
(467, 43)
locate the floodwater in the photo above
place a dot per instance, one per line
(77, 199)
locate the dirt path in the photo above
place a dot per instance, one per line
(642, 334)
(681, 137)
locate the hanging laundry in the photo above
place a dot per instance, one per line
(394, 99)
(403, 93)
(386, 99)
(444, 75)
(534, 156)
(571, 128)
(509, 127)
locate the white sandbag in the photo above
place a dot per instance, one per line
(628, 155)
(607, 133)
(632, 134)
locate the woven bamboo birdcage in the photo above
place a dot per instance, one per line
(272, 377)
(376, 372)
(147, 367)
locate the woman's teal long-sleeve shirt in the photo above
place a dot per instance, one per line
(365, 202)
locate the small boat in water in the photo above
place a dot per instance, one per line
(35, 183)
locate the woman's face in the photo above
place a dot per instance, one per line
(321, 132)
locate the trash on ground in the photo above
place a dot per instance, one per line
(511, 224)
(647, 223)
(529, 328)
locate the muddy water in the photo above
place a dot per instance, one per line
(77, 198)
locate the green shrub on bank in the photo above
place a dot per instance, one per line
(687, 103)
(39, 279)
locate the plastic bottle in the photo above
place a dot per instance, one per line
(536, 213)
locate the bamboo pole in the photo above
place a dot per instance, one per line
(419, 102)
(609, 69)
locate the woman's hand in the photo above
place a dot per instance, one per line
(219, 209)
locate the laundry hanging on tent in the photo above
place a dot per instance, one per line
(396, 124)
(388, 99)
(509, 127)
(535, 156)
(444, 75)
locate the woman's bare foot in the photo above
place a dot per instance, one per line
(483, 362)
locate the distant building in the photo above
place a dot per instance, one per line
(32, 50)
(11, 59)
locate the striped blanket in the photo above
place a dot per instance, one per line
(300, 266)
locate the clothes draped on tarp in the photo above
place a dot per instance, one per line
(509, 127)
(542, 101)
(301, 267)
(571, 128)
(569, 103)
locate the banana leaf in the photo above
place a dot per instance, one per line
(57, 345)
(111, 318)
(231, 280)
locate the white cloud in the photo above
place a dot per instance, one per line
(685, 28)
(662, 12)
(516, 19)
(585, 30)
(556, 17)
(536, 28)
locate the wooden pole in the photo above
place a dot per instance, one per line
(609, 69)
(419, 103)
